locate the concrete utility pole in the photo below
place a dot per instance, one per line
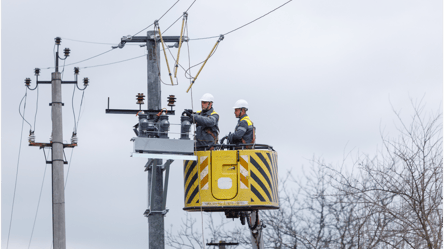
(57, 146)
(157, 189)
(58, 188)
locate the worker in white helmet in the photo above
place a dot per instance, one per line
(245, 132)
(207, 120)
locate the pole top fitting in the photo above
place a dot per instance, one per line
(67, 51)
(140, 98)
(58, 40)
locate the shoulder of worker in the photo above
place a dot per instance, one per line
(245, 119)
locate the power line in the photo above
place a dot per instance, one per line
(179, 17)
(84, 59)
(24, 107)
(36, 107)
(158, 19)
(38, 204)
(212, 37)
(257, 18)
(16, 174)
(115, 62)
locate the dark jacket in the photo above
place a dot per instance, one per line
(244, 131)
(207, 128)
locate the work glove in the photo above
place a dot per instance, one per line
(230, 138)
(189, 112)
(223, 140)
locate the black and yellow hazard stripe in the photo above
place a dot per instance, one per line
(191, 187)
(264, 178)
(272, 157)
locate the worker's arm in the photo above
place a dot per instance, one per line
(209, 121)
(240, 131)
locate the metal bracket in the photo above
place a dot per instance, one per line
(50, 104)
(148, 212)
(149, 164)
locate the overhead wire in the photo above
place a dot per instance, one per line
(212, 37)
(24, 108)
(38, 205)
(36, 107)
(17, 168)
(158, 19)
(258, 18)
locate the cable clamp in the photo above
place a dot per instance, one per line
(221, 37)
(148, 212)
(50, 104)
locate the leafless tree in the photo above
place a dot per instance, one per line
(393, 199)
(402, 186)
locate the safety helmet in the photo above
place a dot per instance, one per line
(242, 103)
(207, 97)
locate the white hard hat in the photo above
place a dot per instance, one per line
(207, 97)
(242, 103)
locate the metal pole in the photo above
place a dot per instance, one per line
(156, 217)
(58, 191)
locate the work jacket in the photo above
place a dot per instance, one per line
(207, 129)
(244, 132)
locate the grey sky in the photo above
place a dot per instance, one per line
(321, 78)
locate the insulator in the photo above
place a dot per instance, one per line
(67, 52)
(171, 100)
(58, 40)
(28, 81)
(140, 98)
(74, 139)
(37, 71)
(76, 70)
(85, 81)
(31, 138)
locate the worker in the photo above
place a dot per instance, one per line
(245, 132)
(207, 120)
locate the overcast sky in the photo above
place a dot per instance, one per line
(321, 77)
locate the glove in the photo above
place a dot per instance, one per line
(188, 112)
(223, 140)
(230, 138)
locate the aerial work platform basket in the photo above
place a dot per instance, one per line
(232, 179)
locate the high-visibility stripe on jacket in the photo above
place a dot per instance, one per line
(244, 131)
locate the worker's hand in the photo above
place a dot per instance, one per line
(188, 112)
(230, 138)
(223, 140)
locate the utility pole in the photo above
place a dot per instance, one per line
(157, 189)
(57, 145)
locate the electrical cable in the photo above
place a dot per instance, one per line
(24, 108)
(114, 62)
(258, 18)
(84, 59)
(179, 17)
(211, 37)
(36, 107)
(80, 109)
(158, 19)
(100, 43)
(38, 205)
(17, 170)
(72, 105)
(69, 166)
